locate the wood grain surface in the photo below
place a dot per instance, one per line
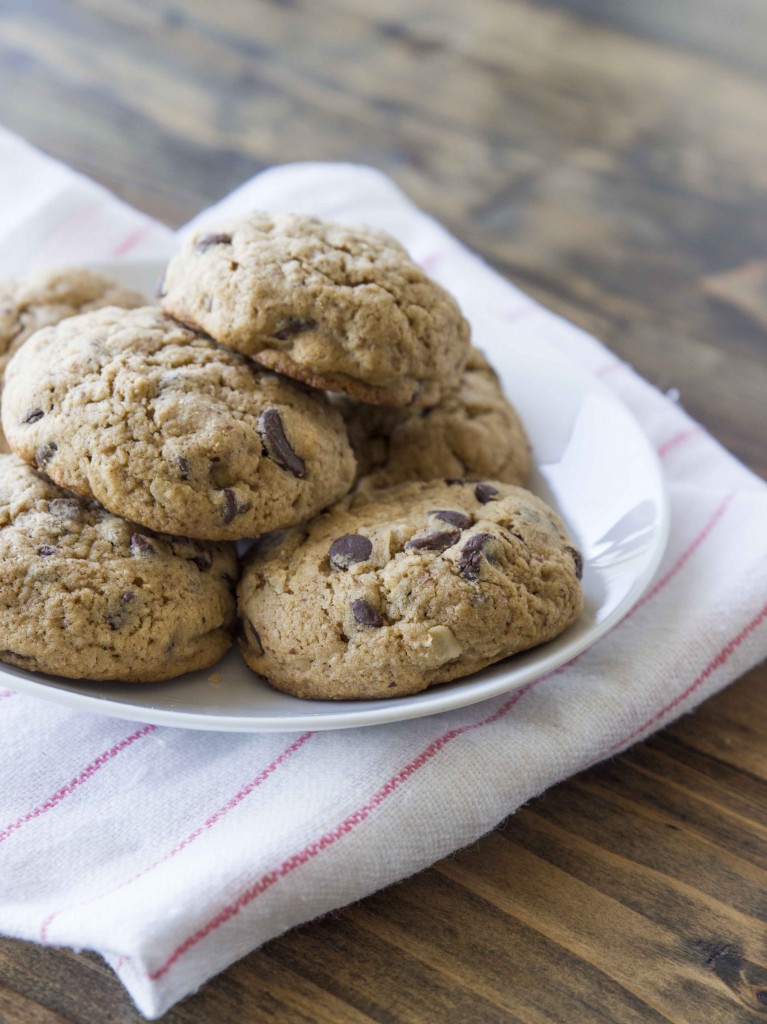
(611, 159)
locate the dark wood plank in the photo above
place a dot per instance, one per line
(731, 33)
(16, 1007)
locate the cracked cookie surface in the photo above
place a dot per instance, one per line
(87, 595)
(163, 426)
(473, 431)
(45, 297)
(343, 309)
(390, 592)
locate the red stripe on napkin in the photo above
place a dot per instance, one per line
(722, 657)
(132, 240)
(206, 826)
(329, 838)
(683, 558)
(83, 777)
(678, 439)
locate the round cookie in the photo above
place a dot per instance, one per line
(390, 592)
(164, 427)
(340, 308)
(472, 432)
(87, 595)
(45, 297)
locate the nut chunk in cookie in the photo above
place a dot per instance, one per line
(87, 595)
(392, 591)
(340, 308)
(163, 426)
(45, 297)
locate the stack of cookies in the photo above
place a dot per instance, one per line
(301, 383)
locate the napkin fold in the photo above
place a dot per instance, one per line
(173, 853)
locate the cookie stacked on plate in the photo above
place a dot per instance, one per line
(302, 383)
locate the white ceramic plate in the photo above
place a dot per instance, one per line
(595, 467)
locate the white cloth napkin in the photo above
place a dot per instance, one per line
(174, 853)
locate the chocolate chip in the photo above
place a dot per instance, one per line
(203, 561)
(276, 445)
(141, 545)
(295, 325)
(34, 416)
(485, 493)
(454, 481)
(578, 559)
(471, 556)
(231, 507)
(205, 242)
(447, 515)
(184, 467)
(127, 596)
(365, 613)
(45, 550)
(441, 540)
(254, 635)
(351, 548)
(114, 620)
(45, 453)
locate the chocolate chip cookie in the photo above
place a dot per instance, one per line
(164, 427)
(344, 309)
(473, 431)
(87, 595)
(45, 297)
(392, 591)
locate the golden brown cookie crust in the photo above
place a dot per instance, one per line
(85, 594)
(45, 297)
(390, 592)
(341, 308)
(165, 427)
(473, 431)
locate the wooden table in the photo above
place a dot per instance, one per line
(610, 158)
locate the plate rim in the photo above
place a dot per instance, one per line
(391, 710)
